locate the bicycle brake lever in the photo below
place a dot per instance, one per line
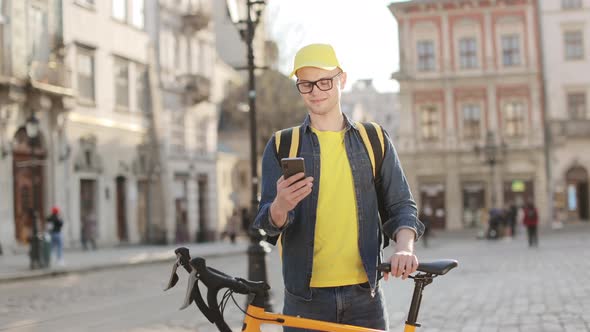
(188, 297)
(173, 277)
(193, 294)
(183, 258)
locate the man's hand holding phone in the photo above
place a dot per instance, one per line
(290, 192)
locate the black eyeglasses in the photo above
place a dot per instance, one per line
(323, 84)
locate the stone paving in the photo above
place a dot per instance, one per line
(499, 286)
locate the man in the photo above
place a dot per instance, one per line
(329, 217)
(56, 223)
(530, 219)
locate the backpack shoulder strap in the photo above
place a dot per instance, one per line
(372, 135)
(286, 146)
(287, 143)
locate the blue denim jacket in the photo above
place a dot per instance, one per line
(299, 230)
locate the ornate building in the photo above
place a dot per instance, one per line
(565, 33)
(471, 130)
(125, 100)
(35, 88)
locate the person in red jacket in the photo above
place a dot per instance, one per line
(530, 221)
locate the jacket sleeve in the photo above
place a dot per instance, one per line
(271, 172)
(397, 198)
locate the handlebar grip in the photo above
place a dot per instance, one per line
(215, 279)
(384, 267)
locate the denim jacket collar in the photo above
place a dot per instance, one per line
(307, 123)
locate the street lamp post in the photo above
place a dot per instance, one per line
(492, 154)
(35, 254)
(257, 250)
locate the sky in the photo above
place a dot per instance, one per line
(363, 33)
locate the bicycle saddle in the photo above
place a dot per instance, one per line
(439, 267)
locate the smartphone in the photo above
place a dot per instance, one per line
(292, 166)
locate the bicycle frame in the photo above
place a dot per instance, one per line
(255, 317)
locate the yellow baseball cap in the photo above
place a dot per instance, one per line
(315, 55)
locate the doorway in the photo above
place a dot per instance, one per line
(29, 185)
(433, 204)
(142, 209)
(121, 209)
(88, 213)
(203, 232)
(577, 194)
(473, 204)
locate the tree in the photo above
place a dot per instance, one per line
(278, 106)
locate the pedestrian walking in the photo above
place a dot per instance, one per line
(89, 231)
(496, 219)
(511, 215)
(328, 219)
(56, 223)
(245, 220)
(530, 219)
(232, 226)
(425, 218)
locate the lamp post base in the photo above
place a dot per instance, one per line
(257, 262)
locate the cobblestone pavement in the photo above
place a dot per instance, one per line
(499, 286)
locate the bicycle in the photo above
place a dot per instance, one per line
(255, 315)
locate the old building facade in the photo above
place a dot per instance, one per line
(565, 33)
(35, 88)
(364, 103)
(123, 93)
(184, 39)
(471, 129)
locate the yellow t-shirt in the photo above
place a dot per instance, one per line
(336, 256)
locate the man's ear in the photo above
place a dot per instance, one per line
(342, 78)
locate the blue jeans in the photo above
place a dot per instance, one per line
(351, 305)
(57, 245)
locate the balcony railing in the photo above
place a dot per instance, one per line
(197, 88)
(197, 17)
(579, 128)
(50, 74)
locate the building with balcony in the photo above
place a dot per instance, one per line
(471, 130)
(34, 80)
(125, 97)
(364, 103)
(565, 34)
(186, 61)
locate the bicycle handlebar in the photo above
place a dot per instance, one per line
(214, 280)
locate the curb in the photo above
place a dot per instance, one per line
(59, 272)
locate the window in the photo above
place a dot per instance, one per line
(576, 105)
(468, 53)
(510, 50)
(141, 88)
(202, 136)
(85, 73)
(425, 50)
(471, 121)
(429, 122)
(121, 70)
(37, 31)
(574, 45)
(2, 21)
(514, 119)
(137, 13)
(177, 134)
(176, 52)
(571, 4)
(120, 10)
(86, 3)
